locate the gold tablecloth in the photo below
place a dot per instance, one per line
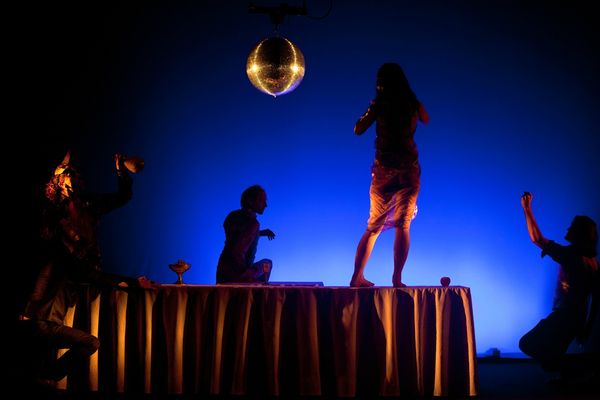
(280, 340)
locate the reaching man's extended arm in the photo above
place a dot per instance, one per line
(534, 230)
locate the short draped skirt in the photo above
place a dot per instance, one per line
(393, 195)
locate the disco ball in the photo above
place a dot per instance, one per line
(275, 66)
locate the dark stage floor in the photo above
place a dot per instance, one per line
(499, 378)
(520, 378)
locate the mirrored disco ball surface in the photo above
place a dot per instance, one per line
(275, 66)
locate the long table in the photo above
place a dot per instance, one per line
(280, 341)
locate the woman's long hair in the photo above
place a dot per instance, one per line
(394, 97)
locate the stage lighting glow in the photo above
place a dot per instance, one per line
(275, 66)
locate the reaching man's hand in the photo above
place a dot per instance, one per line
(119, 162)
(526, 198)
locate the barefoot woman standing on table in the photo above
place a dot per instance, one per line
(396, 171)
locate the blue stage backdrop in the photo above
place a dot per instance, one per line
(512, 91)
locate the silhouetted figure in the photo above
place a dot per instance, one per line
(71, 257)
(578, 283)
(396, 172)
(242, 231)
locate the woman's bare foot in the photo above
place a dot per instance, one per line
(361, 282)
(397, 281)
